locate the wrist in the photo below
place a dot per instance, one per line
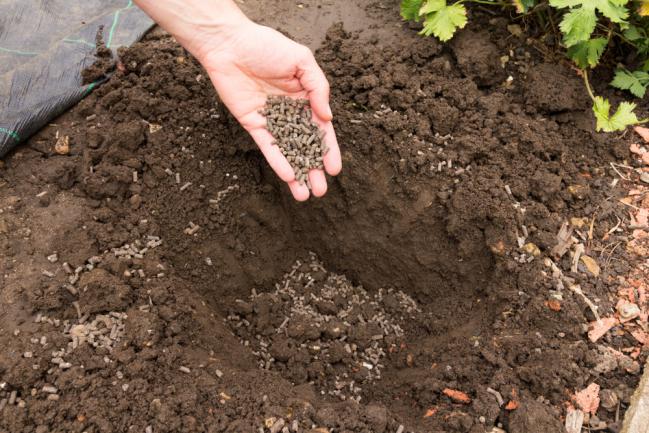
(200, 26)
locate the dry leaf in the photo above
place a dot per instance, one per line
(588, 399)
(457, 396)
(635, 148)
(591, 265)
(641, 218)
(642, 132)
(599, 328)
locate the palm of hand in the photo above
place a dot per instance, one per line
(258, 62)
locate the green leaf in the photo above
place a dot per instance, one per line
(566, 3)
(633, 33)
(635, 82)
(432, 6)
(587, 54)
(444, 22)
(614, 10)
(623, 117)
(577, 25)
(410, 9)
(523, 6)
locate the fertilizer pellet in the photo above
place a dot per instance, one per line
(400, 429)
(185, 370)
(185, 186)
(48, 274)
(297, 135)
(53, 258)
(148, 429)
(135, 177)
(178, 178)
(12, 397)
(48, 389)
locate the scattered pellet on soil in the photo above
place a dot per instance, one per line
(297, 135)
(328, 331)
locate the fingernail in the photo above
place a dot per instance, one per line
(331, 115)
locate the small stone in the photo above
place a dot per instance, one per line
(532, 249)
(135, 201)
(62, 146)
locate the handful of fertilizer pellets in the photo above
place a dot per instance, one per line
(297, 135)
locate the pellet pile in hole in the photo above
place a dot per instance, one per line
(317, 327)
(297, 135)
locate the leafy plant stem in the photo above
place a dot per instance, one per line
(584, 74)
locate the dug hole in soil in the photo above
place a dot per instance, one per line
(159, 278)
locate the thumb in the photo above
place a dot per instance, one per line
(315, 83)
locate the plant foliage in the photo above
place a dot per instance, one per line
(587, 28)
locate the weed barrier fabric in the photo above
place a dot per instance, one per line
(44, 46)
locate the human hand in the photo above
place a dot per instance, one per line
(252, 62)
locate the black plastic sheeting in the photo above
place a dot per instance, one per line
(44, 46)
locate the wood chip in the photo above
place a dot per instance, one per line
(457, 396)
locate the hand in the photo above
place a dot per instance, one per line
(252, 62)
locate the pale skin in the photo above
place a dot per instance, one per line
(247, 62)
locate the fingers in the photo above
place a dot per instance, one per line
(318, 182)
(332, 159)
(315, 83)
(300, 192)
(273, 155)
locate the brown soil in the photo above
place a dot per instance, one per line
(436, 293)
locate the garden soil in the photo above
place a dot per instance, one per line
(157, 277)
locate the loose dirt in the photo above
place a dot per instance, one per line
(199, 297)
